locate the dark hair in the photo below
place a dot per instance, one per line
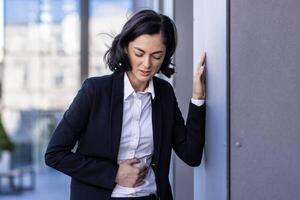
(143, 22)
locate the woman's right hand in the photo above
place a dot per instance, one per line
(130, 176)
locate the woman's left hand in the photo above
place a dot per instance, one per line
(199, 80)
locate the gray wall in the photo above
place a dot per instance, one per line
(183, 82)
(265, 99)
(210, 35)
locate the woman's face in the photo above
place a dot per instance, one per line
(146, 54)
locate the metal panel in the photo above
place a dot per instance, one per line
(84, 40)
(183, 82)
(265, 99)
(210, 35)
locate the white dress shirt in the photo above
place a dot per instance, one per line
(137, 136)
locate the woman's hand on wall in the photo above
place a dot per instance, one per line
(199, 80)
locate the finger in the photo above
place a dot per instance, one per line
(202, 59)
(142, 176)
(132, 161)
(199, 75)
(143, 170)
(139, 180)
(201, 70)
(137, 184)
(202, 73)
(143, 173)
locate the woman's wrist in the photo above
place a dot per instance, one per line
(198, 96)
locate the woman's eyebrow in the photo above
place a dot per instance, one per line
(139, 49)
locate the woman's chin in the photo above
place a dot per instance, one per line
(145, 78)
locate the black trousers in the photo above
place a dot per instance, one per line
(150, 197)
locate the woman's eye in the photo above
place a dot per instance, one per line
(139, 55)
(157, 57)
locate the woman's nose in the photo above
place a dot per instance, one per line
(147, 62)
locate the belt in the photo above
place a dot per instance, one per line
(150, 197)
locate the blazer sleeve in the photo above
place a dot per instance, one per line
(59, 155)
(188, 139)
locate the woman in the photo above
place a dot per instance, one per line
(127, 123)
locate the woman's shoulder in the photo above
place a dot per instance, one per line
(99, 81)
(161, 83)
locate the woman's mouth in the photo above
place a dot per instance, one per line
(145, 73)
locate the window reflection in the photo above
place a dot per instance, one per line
(40, 77)
(106, 18)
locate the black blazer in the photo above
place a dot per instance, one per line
(94, 119)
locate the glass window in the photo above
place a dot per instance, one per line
(107, 17)
(41, 75)
(106, 20)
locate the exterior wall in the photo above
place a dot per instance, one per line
(183, 82)
(265, 99)
(206, 31)
(210, 35)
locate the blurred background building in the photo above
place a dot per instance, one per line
(252, 148)
(42, 66)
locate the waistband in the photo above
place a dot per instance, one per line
(149, 197)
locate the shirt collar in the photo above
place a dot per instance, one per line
(128, 89)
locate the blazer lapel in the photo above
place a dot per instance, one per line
(116, 112)
(156, 121)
